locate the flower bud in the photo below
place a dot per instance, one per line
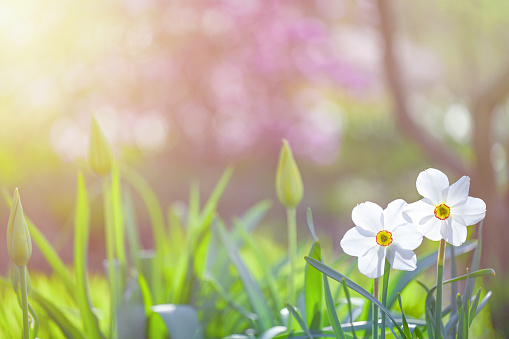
(19, 244)
(289, 186)
(100, 155)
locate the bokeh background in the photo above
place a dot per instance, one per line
(368, 93)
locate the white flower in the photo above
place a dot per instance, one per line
(379, 234)
(445, 211)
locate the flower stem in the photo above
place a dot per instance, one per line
(440, 278)
(292, 252)
(387, 270)
(24, 301)
(375, 310)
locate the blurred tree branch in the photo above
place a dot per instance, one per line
(435, 149)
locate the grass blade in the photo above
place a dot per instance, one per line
(339, 277)
(299, 319)
(406, 329)
(399, 282)
(331, 310)
(252, 288)
(181, 321)
(347, 294)
(313, 290)
(81, 236)
(118, 220)
(473, 310)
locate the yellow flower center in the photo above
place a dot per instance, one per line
(442, 211)
(384, 238)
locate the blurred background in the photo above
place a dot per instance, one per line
(368, 93)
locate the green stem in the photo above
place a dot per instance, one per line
(110, 252)
(387, 270)
(24, 301)
(375, 310)
(292, 252)
(440, 278)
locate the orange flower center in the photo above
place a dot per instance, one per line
(442, 211)
(384, 238)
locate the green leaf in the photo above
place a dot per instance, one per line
(399, 282)
(133, 237)
(81, 236)
(483, 303)
(339, 277)
(299, 319)
(331, 309)
(181, 321)
(348, 300)
(311, 225)
(118, 220)
(252, 288)
(474, 307)
(313, 290)
(157, 222)
(210, 206)
(406, 329)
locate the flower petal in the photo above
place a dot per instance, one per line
(393, 214)
(401, 259)
(357, 241)
(473, 211)
(368, 215)
(453, 232)
(431, 229)
(457, 193)
(431, 183)
(407, 236)
(371, 264)
(418, 210)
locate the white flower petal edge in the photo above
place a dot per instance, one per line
(418, 210)
(367, 215)
(473, 211)
(393, 215)
(371, 264)
(431, 229)
(357, 241)
(457, 193)
(431, 183)
(401, 259)
(453, 232)
(407, 236)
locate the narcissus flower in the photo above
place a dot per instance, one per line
(445, 211)
(289, 186)
(379, 234)
(19, 243)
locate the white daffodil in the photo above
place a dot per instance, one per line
(445, 211)
(380, 234)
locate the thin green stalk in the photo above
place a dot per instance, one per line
(375, 310)
(387, 270)
(24, 301)
(440, 278)
(110, 252)
(292, 252)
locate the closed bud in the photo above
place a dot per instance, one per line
(100, 155)
(19, 244)
(289, 186)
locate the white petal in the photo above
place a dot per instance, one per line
(368, 215)
(419, 210)
(457, 193)
(393, 214)
(401, 259)
(357, 241)
(371, 264)
(431, 229)
(407, 236)
(473, 211)
(431, 183)
(453, 232)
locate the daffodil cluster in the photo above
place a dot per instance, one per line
(394, 233)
